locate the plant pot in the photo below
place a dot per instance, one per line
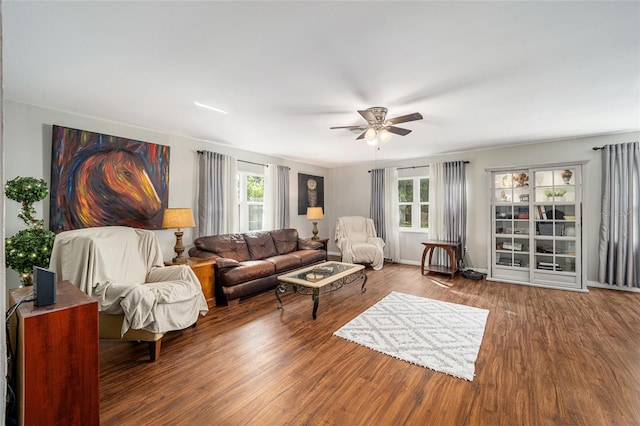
(555, 198)
(26, 279)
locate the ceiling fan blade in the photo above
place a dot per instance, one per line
(398, 130)
(367, 115)
(347, 127)
(362, 135)
(404, 118)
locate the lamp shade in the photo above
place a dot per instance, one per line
(314, 213)
(178, 218)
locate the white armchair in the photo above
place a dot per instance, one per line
(358, 242)
(122, 268)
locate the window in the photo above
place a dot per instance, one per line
(250, 201)
(413, 203)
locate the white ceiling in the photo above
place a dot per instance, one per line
(481, 73)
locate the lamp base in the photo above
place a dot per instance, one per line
(315, 231)
(179, 260)
(179, 249)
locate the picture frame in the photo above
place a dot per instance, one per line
(310, 192)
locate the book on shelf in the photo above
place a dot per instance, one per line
(512, 246)
(523, 213)
(542, 214)
(547, 266)
(506, 262)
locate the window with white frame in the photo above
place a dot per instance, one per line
(250, 201)
(413, 203)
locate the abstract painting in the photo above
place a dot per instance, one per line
(102, 180)
(310, 192)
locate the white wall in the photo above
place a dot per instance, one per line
(27, 150)
(353, 190)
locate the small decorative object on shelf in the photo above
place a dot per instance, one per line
(566, 176)
(555, 193)
(521, 179)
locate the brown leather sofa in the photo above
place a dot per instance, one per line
(247, 264)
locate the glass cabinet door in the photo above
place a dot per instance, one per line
(511, 228)
(555, 220)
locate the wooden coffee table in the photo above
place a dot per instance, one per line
(322, 278)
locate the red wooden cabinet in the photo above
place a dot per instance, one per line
(57, 358)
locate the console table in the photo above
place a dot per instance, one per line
(453, 249)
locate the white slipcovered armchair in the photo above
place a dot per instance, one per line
(358, 242)
(122, 268)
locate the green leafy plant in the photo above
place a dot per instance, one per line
(32, 246)
(554, 192)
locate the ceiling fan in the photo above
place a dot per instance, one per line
(379, 126)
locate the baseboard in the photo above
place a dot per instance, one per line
(416, 263)
(409, 262)
(597, 284)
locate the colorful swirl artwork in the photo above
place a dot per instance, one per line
(102, 180)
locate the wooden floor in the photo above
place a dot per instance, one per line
(548, 357)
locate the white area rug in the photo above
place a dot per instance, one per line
(442, 336)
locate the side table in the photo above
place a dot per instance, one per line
(324, 241)
(203, 268)
(452, 248)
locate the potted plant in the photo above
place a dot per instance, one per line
(31, 246)
(552, 193)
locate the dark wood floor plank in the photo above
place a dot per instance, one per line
(547, 357)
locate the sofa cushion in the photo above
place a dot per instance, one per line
(308, 257)
(232, 246)
(284, 262)
(285, 240)
(260, 245)
(247, 271)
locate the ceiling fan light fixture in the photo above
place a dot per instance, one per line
(372, 142)
(385, 135)
(370, 135)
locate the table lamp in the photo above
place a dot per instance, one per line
(314, 214)
(178, 218)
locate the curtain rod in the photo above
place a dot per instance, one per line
(243, 161)
(418, 167)
(597, 148)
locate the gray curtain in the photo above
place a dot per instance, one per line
(451, 186)
(619, 252)
(455, 202)
(282, 207)
(217, 200)
(376, 209)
